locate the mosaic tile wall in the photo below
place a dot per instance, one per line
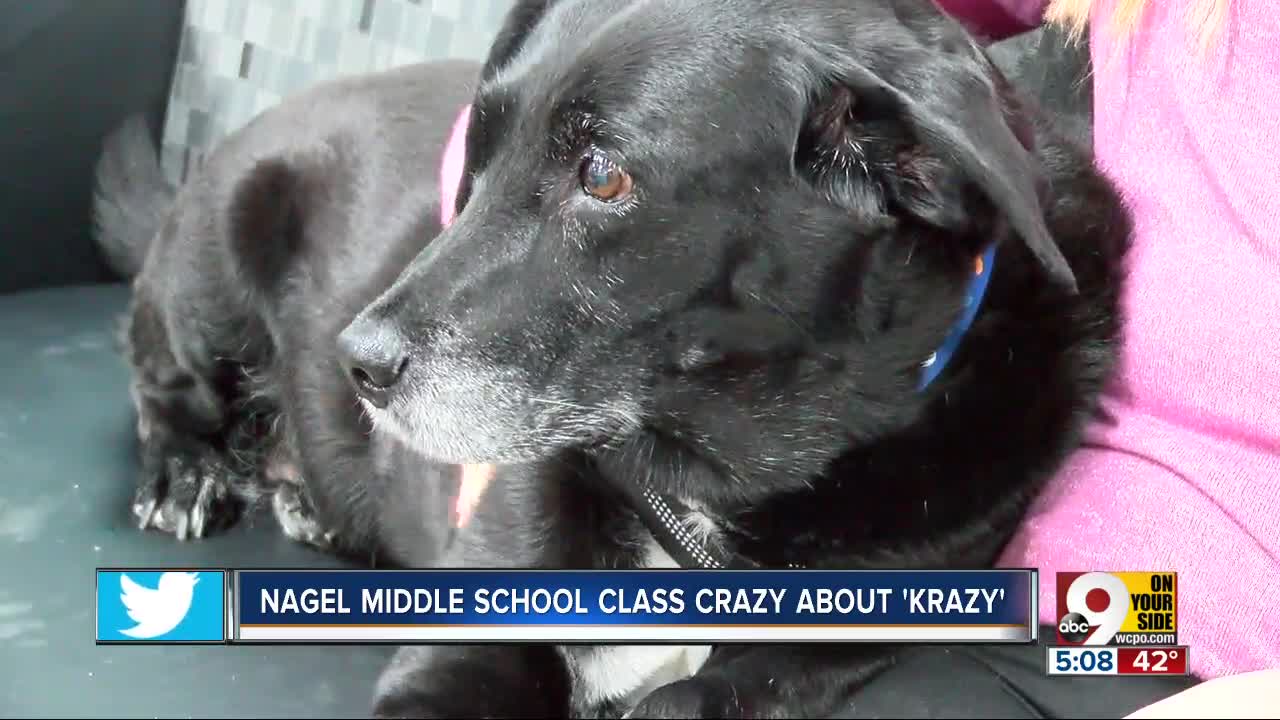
(239, 57)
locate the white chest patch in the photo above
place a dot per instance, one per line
(628, 673)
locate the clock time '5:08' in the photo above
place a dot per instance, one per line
(1082, 661)
(1118, 660)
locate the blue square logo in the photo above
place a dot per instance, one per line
(172, 606)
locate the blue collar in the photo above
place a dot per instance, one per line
(934, 366)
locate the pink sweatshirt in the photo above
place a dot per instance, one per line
(1189, 478)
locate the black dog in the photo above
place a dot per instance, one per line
(709, 257)
(291, 226)
(705, 256)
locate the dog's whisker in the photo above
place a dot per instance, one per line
(560, 403)
(789, 317)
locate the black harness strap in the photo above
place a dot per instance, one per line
(662, 515)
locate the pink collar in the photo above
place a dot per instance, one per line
(451, 166)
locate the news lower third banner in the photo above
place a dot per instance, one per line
(597, 606)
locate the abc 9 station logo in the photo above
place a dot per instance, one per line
(1097, 605)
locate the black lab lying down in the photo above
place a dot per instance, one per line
(809, 276)
(245, 277)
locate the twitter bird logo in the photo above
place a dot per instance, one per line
(158, 611)
(174, 606)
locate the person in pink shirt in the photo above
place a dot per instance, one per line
(1185, 476)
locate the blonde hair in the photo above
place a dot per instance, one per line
(1205, 19)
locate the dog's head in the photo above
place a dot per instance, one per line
(742, 224)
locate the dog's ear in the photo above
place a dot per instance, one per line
(928, 140)
(510, 38)
(516, 26)
(264, 223)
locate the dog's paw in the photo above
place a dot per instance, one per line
(187, 493)
(694, 697)
(297, 516)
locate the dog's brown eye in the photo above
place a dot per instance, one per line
(603, 180)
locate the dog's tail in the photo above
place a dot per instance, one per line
(130, 196)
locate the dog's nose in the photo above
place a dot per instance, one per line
(374, 358)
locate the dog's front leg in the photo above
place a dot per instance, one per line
(194, 479)
(468, 681)
(767, 681)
